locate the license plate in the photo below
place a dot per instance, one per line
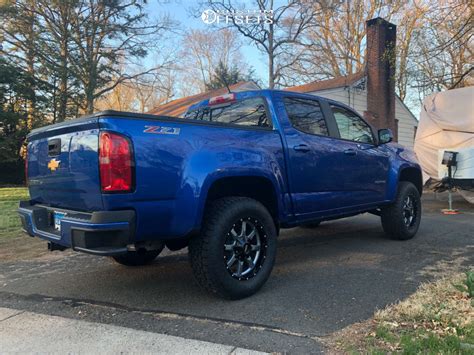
(58, 216)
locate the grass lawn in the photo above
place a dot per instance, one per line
(10, 225)
(437, 319)
(14, 243)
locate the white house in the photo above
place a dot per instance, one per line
(352, 91)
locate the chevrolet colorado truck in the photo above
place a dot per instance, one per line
(222, 181)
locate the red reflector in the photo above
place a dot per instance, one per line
(115, 163)
(217, 100)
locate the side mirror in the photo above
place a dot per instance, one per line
(385, 136)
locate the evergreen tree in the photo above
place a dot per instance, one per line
(15, 94)
(224, 76)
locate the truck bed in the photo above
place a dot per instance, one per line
(172, 159)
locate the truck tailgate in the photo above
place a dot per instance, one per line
(63, 165)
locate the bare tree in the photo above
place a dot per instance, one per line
(121, 98)
(336, 44)
(202, 51)
(154, 91)
(280, 38)
(106, 33)
(411, 19)
(140, 94)
(443, 55)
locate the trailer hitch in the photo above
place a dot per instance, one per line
(55, 246)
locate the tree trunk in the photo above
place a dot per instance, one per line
(31, 105)
(64, 70)
(89, 103)
(30, 67)
(54, 97)
(63, 78)
(90, 89)
(271, 59)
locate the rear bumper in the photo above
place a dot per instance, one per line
(99, 233)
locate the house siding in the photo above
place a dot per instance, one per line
(406, 124)
(357, 99)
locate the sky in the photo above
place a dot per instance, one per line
(186, 13)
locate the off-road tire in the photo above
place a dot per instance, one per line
(394, 218)
(209, 260)
(137, 258)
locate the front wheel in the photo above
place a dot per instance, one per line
(234, 255)
(401, 219)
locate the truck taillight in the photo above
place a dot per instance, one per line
(115, 163)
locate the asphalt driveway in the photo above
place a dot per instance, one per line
(324, 279)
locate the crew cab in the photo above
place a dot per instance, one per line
(223, 181)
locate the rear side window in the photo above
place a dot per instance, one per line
(248, 112)
(351, 126)
(306, 115)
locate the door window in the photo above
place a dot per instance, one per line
(351, 126)
(306, 115)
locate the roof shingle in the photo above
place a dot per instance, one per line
(328, 84)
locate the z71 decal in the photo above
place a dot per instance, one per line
(162, 130)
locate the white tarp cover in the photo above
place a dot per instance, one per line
(446, 122)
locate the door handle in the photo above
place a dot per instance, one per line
(301, 148)
(350, 152)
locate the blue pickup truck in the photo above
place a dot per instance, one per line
(222, 181)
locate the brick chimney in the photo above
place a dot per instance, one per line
(381, 41)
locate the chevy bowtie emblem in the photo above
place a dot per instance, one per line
(53, 164)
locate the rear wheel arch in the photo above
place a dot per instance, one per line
(258, 188)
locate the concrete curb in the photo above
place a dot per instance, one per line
(27, 332)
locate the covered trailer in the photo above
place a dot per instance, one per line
(447, 124)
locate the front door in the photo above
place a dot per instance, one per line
(366, 165)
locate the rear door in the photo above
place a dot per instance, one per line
(63, 165)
